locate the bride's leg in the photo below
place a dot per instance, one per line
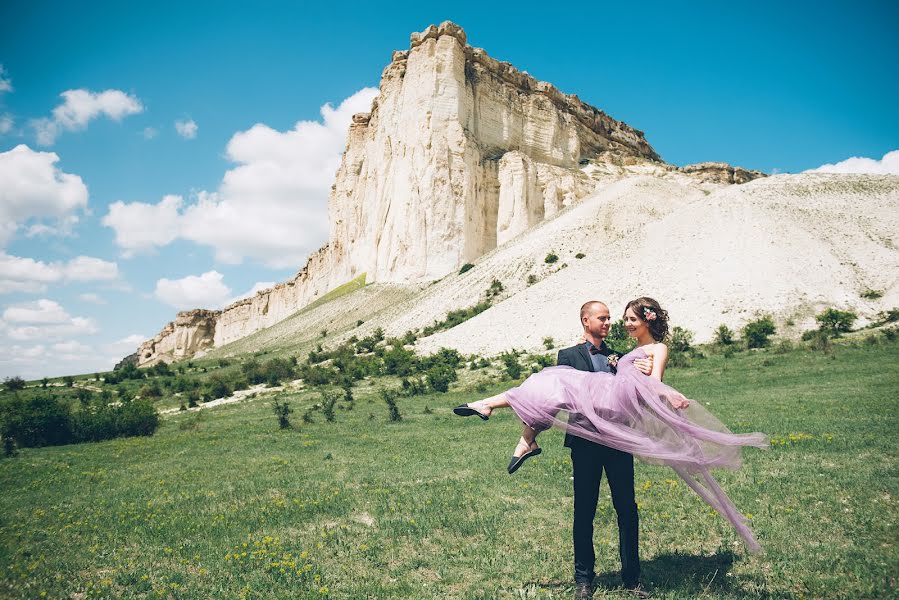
(527, 442)
(487, 405)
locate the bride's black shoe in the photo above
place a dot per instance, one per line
(517, 461)
(463, 410)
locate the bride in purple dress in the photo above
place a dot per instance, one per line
(631, 412)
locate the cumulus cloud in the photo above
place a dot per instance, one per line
(141, 227)
(194, 291)
(186, 129)
(42, 319)
(271, 207)
(33, 188)
(81, 106)
(888, 165)
(5, 81)
(22, 274)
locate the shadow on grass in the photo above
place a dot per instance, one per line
(683, 575)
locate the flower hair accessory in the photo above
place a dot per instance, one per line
(649, 314)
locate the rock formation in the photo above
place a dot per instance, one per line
(459, 154)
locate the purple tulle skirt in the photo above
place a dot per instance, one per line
(631, 412)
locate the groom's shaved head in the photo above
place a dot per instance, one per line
(591, 307)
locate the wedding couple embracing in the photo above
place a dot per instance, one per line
(613, 408)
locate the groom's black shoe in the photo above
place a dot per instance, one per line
(583, 591)
(636, 589)
(463, 410)
(517, 461)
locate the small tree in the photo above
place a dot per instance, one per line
(551, 258)
(680, 339)
(13, 384)
(724, 336)
(68, 380)
(510, 363)
(439, 377)
(389, 398)
(549, 343)
(329, 399)
(756, 333)
(282, 411)
(836, 322)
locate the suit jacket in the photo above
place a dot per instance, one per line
(579, 358)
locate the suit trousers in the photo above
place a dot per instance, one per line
(589, 461)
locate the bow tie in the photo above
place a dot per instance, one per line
(593, 349)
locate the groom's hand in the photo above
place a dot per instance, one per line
(644, 365)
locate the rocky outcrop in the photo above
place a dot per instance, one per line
(425, 183)
(460, 153)
(719, 172)
(191, 332)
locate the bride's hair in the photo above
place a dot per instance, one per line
(655, 317)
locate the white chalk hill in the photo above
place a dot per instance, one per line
(787, 245)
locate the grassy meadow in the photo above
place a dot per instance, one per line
(221, 503)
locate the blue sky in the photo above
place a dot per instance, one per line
(780, 87)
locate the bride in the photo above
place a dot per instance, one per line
(631, 412)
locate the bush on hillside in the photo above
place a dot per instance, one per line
(724, 336)
(757, 333)
(836, 322)
(14, 384)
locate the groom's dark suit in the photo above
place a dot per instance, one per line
(589, 459)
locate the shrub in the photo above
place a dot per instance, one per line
(679, 360)
(680, 339)
(532, 279)
(13, 384)
(579, 255)
(440, 376)
(870, 294)
(544, 360)
(193, 398)
(282, 411)
(218, 387)
(414, 386)
(551, 258)
(150, 390)
(618, 338)
(496, 287)
(724, 336)
(316, 375)
(389, 398)
(890, 334)
(819, 340)
(68, 380)
(136, 418)
(756, 333)
(549, 343)
(510, 362)
(41, 420)
(836, 322)
(465, 268)
(359, 323)
(455, 317)
(44, 382)
(399, 361)
(329, 400)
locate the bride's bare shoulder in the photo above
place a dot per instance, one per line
(659, 349)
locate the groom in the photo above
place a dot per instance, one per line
(590, 459)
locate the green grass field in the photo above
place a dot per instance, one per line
(220, 503)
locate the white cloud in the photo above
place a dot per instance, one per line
(257, 287)
(125, 346)
(186, 129)
(5, 81)
(888, 165)
(6, 123)
(42, 319)
(141, 227)
(41, 311)
(271, 207)
(81, 106)
(32, 187)
(194, 291)
(149, 133)
(21, 274)
(92, 298)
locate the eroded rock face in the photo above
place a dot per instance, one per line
(459, 154)
(192, 331)
(719, 172)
